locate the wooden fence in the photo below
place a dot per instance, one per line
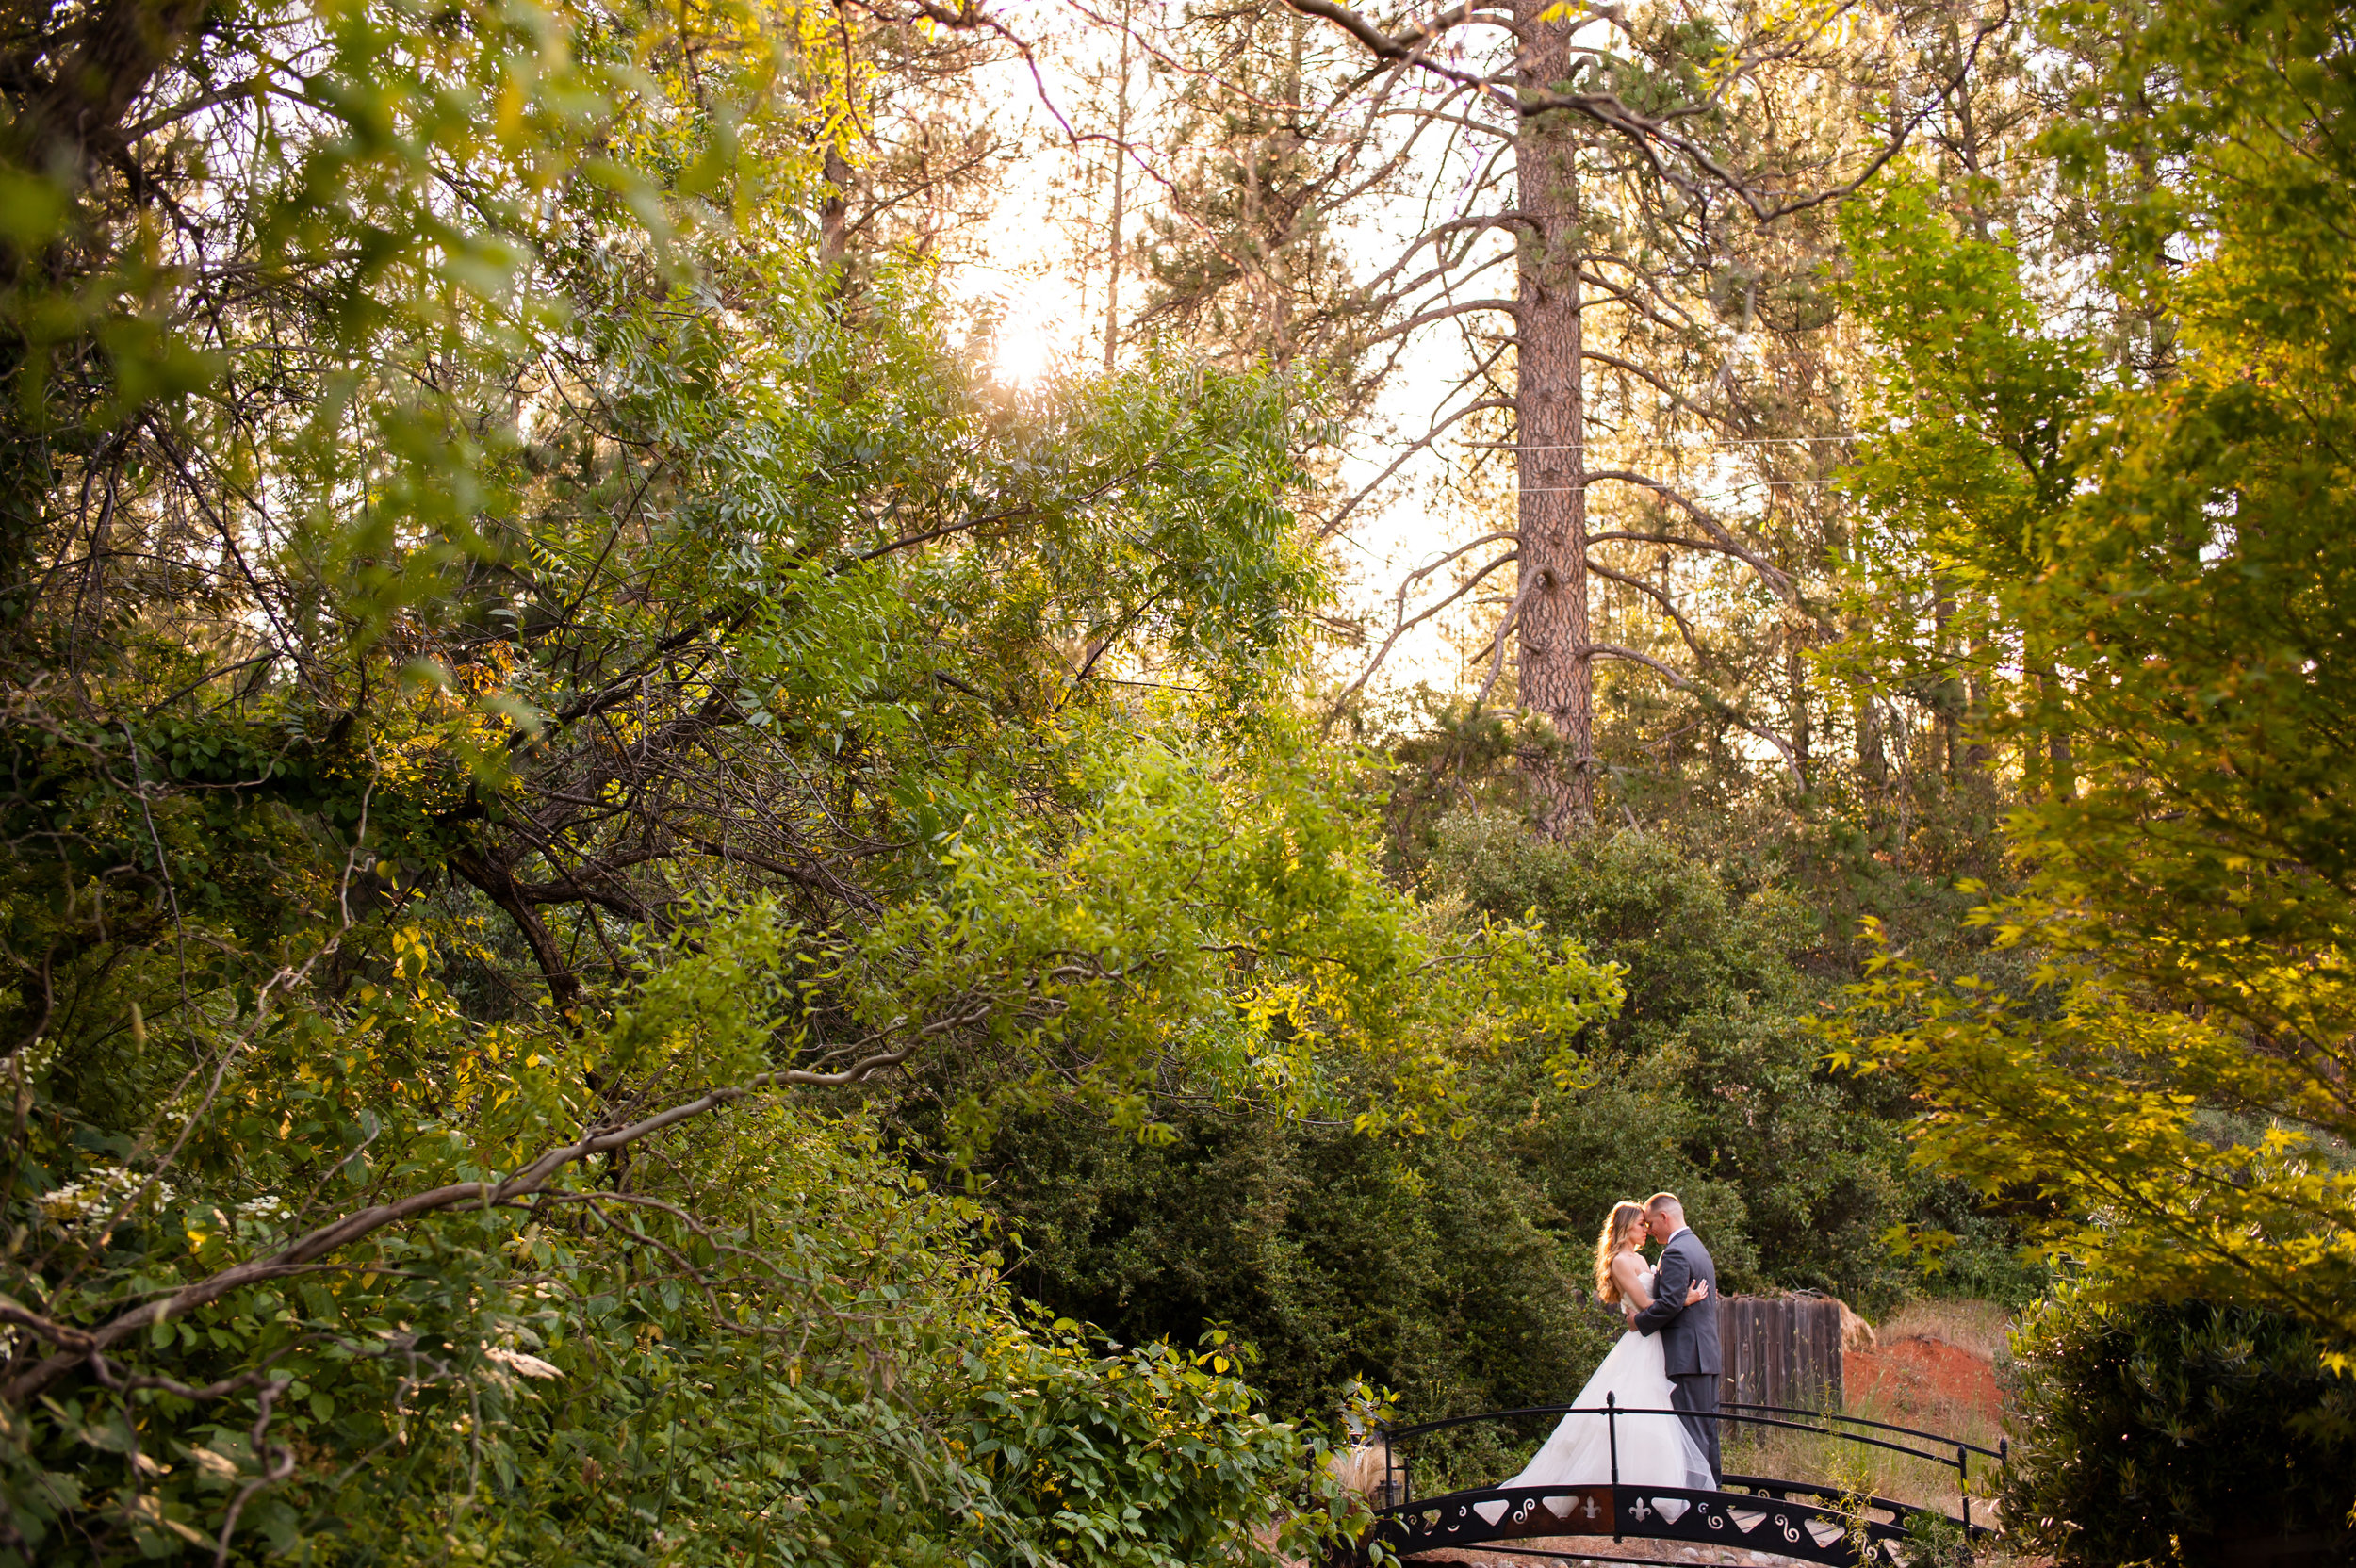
(1780, 1350)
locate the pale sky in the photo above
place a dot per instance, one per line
(1042, 263)
(1053, 321)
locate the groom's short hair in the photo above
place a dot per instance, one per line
(1665, 1200)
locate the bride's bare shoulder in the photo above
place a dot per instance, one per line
(1629, 1267)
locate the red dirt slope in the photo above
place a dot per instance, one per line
(1916, 1381)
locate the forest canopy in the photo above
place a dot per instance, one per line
(651, 911)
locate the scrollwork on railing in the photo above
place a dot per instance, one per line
(1759, 1514)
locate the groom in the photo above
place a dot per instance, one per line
(1688, 1335)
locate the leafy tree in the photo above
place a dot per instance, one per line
(1671, 173)
(526, 672)
(1454, 1270)
(1965, 467)
(2172, 1085)
(1709, 1079)
(1432, 1268)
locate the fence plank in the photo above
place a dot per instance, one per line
(1828, 1355)
(1837, 1396)
(1762, 1366)
(1764, 1351)
(1780, 1350)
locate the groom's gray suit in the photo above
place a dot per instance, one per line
(1689, 1336)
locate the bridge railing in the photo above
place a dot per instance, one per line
(1952, 1452)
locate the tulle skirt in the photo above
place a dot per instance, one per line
(1654, 1450)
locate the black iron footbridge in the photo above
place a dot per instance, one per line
(1803, 1520)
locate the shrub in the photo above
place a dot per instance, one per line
(2161, 1433)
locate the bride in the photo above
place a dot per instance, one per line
(1654, 1450)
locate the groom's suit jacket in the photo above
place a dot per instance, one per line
(1688, 1335)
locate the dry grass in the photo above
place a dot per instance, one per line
(1850, 1467)
(1974, 1326)
(1912, 1393)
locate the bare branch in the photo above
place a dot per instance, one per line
(1668, 606)
(1773, 575)
(1333, 525)
(1716, 704)
(1403, 624)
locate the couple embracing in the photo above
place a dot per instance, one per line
(1668, 1360)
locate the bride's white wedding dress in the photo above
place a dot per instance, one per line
(1654, 1450)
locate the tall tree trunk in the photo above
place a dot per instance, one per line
(1120, 191)
(1978, 696)
(1795, 671)
(1557, 669)
(1947, 705)
(1872, 758)
(2048, 765)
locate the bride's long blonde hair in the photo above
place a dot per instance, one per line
(1625, 1216)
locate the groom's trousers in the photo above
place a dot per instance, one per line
(1697, 1396)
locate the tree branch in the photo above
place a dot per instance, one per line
(1709, 699)
(81, 1345)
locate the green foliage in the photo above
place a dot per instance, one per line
(1148, 1457)
(1224, 930)
(2188, 921)
(764, 1261)
(2162, 1434)
(1964, 464)
(1935, 1541)
(1965, 461)
(828, 1376)
(1429, 1267)
(525, 673)
(1709, 1081)
(1455, 1270)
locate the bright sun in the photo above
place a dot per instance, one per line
(1038, 333)
(1024, 355)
